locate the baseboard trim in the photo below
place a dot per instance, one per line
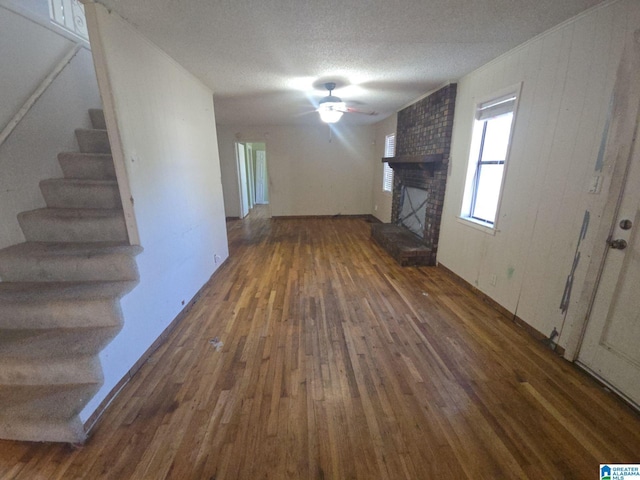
(365, 216)
(95, 417)
(533, 332)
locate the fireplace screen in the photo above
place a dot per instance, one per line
(413, 209)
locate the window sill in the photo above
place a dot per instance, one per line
(477, 224)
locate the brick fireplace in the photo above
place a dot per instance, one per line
(423, 142)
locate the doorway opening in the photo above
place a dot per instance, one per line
(253, 176)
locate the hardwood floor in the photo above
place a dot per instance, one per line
(338, 364)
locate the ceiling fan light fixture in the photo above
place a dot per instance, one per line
(331, 107)
(331, 112)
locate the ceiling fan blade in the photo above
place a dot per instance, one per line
(361, 112)
(332, 104)
(307, 112)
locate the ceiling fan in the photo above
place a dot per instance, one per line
(331, 107)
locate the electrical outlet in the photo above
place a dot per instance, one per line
(216, 258)
(375, 208)
(493, 279)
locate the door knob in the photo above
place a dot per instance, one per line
(619, 244)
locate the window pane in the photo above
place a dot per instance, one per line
(487, 192)
(387, 178)
(496, 139)
(390, 145)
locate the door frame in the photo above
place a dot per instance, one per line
(620, 142)
(252, 139)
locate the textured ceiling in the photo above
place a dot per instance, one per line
(266, 60)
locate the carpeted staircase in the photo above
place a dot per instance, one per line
(60, 295)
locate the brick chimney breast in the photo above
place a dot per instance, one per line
(424, 128)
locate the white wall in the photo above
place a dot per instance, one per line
(229, 170)
(308, 174)
(568, 75)
(167, 158)
(29, 52)
(34, 8)
(381, 201)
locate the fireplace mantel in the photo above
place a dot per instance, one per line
(413, 159)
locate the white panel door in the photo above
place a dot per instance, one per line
(611, 346)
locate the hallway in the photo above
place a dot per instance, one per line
(339, 364)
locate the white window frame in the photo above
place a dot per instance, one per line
(387, 171)
(474, 157)
(69, 15)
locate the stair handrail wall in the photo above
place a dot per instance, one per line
(108, 106)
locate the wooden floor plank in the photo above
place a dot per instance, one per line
(339, 364)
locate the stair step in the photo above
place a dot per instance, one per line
(57, 371)
(73, 225)
(49, 344)
(44, 306)
(27, 292)
(44, 402)
(41, 398)
(93, 140)
(68, 430)
(97, 118)
(80, 193)
(68, 262)
(94, 166)
(46, 312)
